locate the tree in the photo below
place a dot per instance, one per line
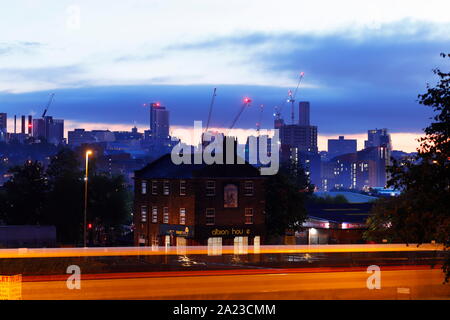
(109, 206)
(56, 197)
(421, 213)
(285, 201)
(339, 199)
(65, 198)
(25, 195)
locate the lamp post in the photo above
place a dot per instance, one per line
(88, 153)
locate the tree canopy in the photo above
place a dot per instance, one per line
(286, 194)
(55, 196)
(421, 213)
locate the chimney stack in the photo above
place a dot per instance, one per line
(30, 125)
(23, 125)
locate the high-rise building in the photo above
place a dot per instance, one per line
(303, 113)
(78, 137)
(299, 144)
(49, 129)
(23, 123)
(278, 123)
(359, 170)
(56, 132)
(39, 128)
(304, 138)
(3, 126)
(30, 126)
(159, 121)
(337, 147)
(378, 138)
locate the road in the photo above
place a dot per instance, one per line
(413, 283)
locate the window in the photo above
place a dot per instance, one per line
(154, 187)
(248, 215)
(142, 240)
(166, 215)
(143, 213)
(144, 187)
(210, 188)
(248, 188)
(155, 215)
(182, 216)
(210, 216)
(182, 187)
(155, 243)
(167, 241)
(166, 187)
(240, 245)
(215, 246)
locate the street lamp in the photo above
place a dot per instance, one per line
(88, 153)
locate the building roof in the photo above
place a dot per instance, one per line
(164, 168)
(352, 197)
(339, 213)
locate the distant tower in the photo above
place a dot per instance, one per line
(23, 125)
(3, 122)
(303, 117)
(377, 138)
(30, 125)
(159, 121)
(3, 126)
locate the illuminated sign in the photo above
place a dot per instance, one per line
(176, 230)
(231, 232)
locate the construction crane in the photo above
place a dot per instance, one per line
(258, 124)
(277, 113)
(245, 104)
(48, 104)
(292, 95)
(210, 109)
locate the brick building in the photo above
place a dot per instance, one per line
(198, 204)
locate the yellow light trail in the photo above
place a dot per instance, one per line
(203, 250)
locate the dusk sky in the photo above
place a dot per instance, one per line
(364, 63)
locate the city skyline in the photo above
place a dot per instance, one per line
(363, 67)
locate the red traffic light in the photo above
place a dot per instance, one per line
(90, 226)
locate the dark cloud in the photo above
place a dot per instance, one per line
(124, 105)
(396, 55)
(360, 81)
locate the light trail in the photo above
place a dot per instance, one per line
(227, 272)
(203, 250)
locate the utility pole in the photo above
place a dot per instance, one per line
(88, 153)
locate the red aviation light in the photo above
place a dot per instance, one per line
(247, 100)
(302, 74)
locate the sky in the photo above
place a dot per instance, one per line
(364, 63)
